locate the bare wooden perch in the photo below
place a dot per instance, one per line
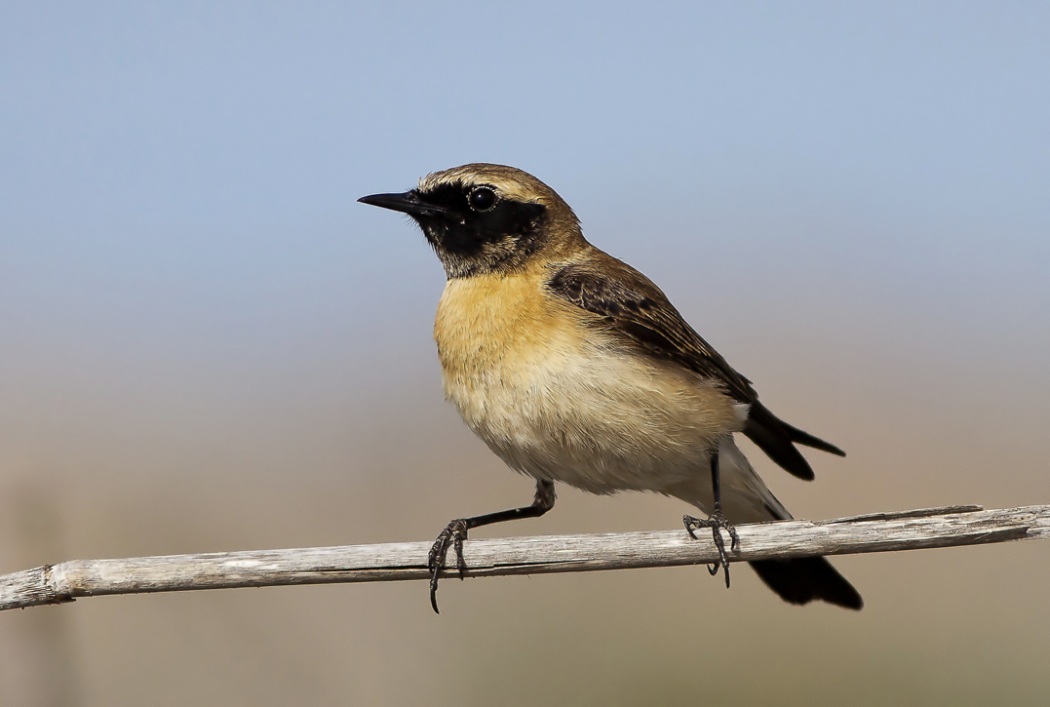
(881, 532)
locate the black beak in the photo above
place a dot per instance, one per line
(407, 202)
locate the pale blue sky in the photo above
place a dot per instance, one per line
(177, 197)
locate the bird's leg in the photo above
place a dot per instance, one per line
(715, 522)
(456, 532)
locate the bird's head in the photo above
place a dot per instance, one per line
(487, 218)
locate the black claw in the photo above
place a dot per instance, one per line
(457, 543)
(716, 523)
(454, 534)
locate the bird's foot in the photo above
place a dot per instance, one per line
(716, 523)
(454, 534)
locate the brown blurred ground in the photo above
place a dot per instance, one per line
(93, 471)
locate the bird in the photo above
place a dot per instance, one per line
(575, 368)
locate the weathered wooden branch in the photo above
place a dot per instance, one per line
(881, 532)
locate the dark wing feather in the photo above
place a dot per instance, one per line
(629, 303)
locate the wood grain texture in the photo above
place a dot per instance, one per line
(880, 532)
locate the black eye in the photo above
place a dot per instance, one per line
(481, 199)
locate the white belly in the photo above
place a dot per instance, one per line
(593, 417)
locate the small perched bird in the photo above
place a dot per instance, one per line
(574, 367)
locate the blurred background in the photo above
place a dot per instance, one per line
(207, 345)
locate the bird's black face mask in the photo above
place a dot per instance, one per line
(472, 227)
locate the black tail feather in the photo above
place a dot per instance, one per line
(805, 579)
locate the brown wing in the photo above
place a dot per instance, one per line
(629, 304)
